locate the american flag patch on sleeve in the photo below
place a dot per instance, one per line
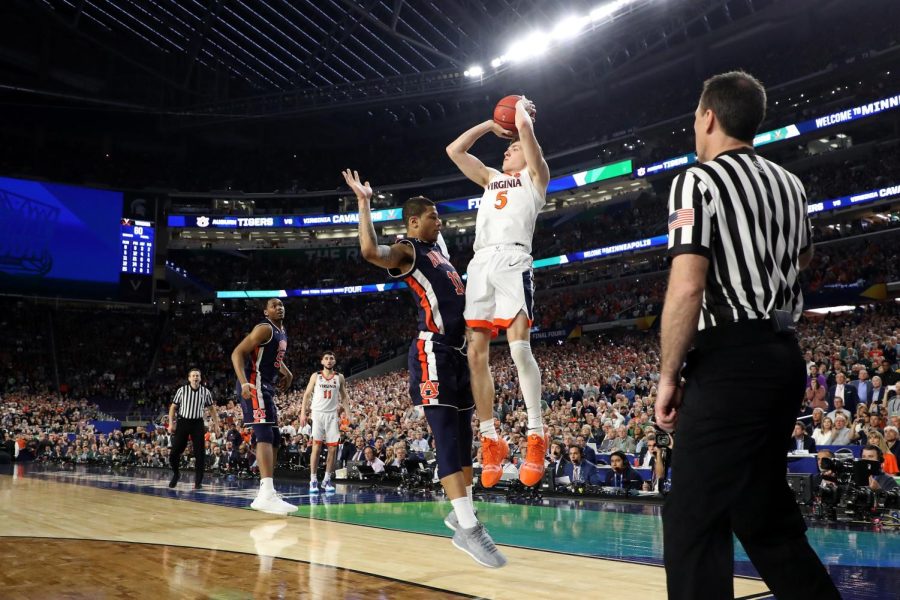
(683, 217)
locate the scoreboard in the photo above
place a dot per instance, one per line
(137, 247)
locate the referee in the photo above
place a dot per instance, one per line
(190, 403)
(738, 237)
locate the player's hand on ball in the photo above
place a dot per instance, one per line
(363, 191)
(505, 134)
(529, 107)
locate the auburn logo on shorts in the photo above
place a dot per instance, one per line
(429, 391)
(259, 414)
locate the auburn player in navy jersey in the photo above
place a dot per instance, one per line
(264, 349)
(438, 369)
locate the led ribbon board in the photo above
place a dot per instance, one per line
(566, 182)
(783, 133)
(563, 259)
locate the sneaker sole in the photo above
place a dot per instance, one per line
(483, 564)
(523, 476)
(272, 512)
(489, 483)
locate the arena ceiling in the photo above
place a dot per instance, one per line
(232, 59)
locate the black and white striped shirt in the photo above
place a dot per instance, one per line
(190, 402)
(749, 217)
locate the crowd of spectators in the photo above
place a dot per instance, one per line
(128, 361)
(597, 395)
(865, 261)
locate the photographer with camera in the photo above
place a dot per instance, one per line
(825, 476)
(879, 480)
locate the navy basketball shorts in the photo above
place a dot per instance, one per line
(439, 375)
(260, 408)
(261, 412)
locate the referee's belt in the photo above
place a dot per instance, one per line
(741, 333)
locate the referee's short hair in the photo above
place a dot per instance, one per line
(192, 369)
(739, 102)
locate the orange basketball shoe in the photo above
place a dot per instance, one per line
(492, 453)
(532, 470)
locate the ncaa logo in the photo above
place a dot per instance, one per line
(641, 172)
(429, 391)
(202, 221)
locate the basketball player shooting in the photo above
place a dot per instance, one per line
(500, 286)
(324, 389)
(438, 371)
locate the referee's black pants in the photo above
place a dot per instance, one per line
(744, 387)
(196, 430)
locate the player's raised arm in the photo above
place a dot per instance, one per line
(534, 156)
(470, 165)
(397, 256)
(260, 335)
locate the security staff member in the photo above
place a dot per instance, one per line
(190, 402)
(738, 237)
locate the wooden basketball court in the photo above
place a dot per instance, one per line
(69, 540)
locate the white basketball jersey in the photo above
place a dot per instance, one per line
(508, 211)
(326, 394)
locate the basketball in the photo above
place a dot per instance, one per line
(505, 112)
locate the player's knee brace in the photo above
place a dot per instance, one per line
(521, 353)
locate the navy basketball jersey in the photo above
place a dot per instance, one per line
(438, 292)
(266, 358)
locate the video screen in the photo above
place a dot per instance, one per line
(67, 241)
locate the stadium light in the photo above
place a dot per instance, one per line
(474, 71)
(569, 28)
(538, 43)
(533, 45)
